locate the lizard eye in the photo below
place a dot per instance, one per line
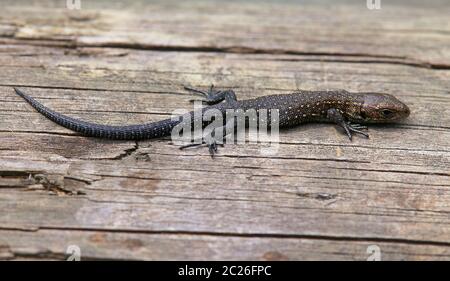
(387, 113)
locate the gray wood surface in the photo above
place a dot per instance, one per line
(319, 197)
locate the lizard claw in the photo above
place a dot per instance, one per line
(202, 93)
(355, 128)
(358, 126)
(212, 146)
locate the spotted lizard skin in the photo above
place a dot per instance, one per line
(294, 109)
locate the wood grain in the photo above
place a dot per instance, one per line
(319, 197)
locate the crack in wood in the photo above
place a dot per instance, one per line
(127, 153)
(321, 196)
(74, 44)
(251, 235)
(36, 180)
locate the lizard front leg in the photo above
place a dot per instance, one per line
(336, 117)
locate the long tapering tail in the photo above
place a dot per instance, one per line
(130, 132)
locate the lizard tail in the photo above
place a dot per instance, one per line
(129, 132)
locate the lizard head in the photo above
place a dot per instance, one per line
(381, 108)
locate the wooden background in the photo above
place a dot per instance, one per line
(319, 197)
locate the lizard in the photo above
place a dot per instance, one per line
(351, 111)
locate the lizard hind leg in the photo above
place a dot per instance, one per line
(213, 96)
(212, 140)
(212, 145)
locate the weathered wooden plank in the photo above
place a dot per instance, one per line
(418, 33)
(356, 160)
(426, 129)
(52, 244)
(144, 71)
(319, 197)
(306, 197)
